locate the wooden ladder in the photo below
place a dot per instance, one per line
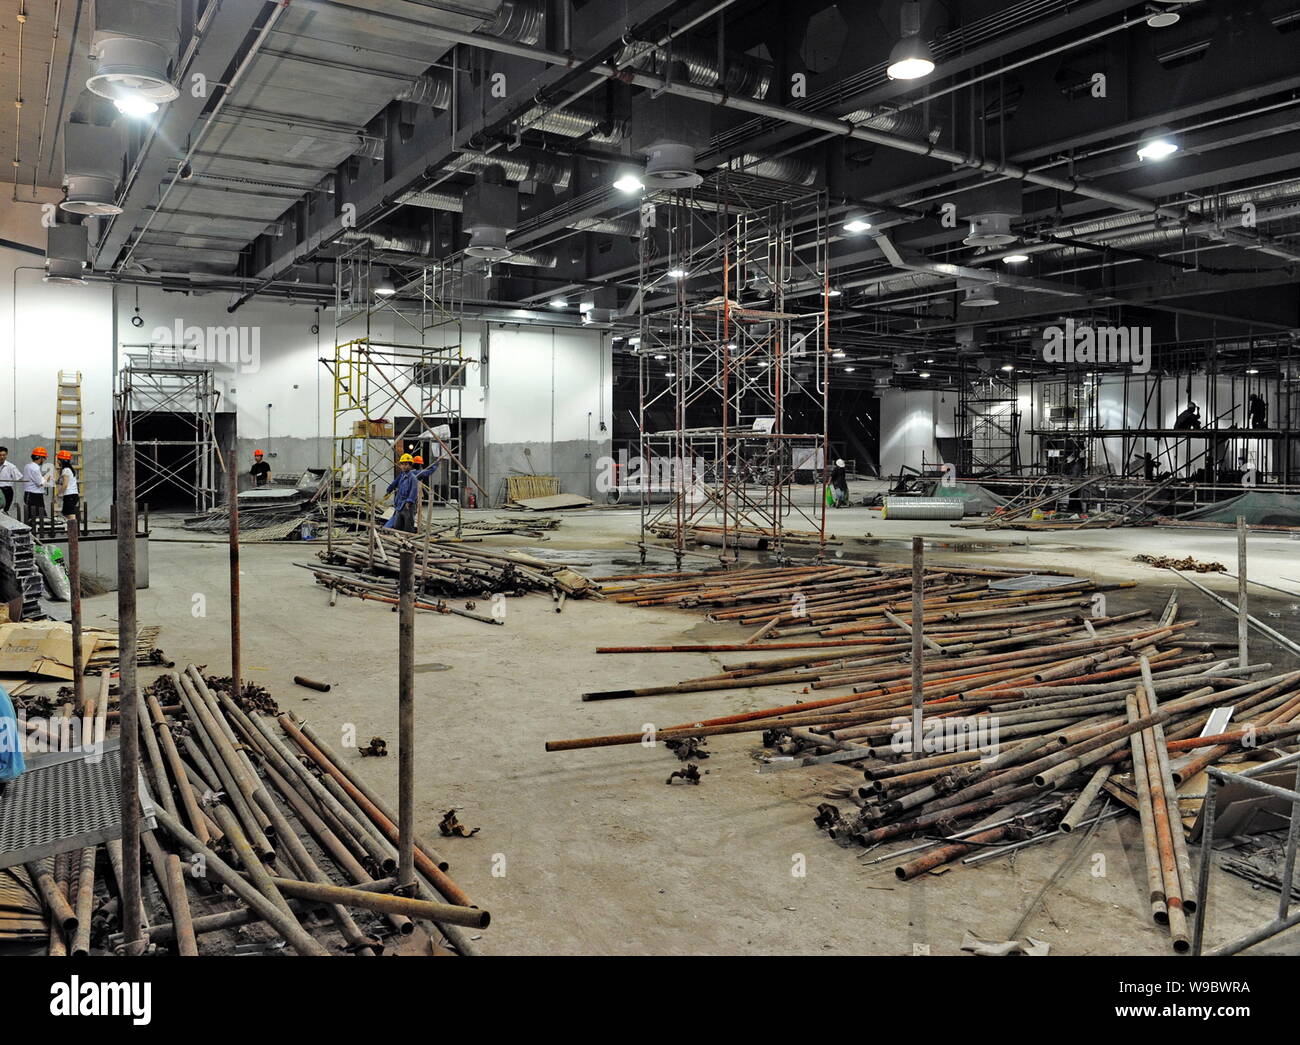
(68, 433)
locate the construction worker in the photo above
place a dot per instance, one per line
(35, 480)
(261, 471)
(9, 475)
(839, 484)
(407, 485)
(67, 489)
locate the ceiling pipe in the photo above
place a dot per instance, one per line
(833, 125)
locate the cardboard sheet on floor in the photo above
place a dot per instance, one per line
(44, 648)
(554, 502)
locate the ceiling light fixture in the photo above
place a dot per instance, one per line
(132, 105)
(676, 273)
(1158, 144)
(850, 369)
(923, 374)
(911, 57)
(385, 288)
(979, 297)
(629, 183)
(1007, 368)
(856, 224)
(1015, 259)
(130, 68)
(838, 354)
(1158, 18)
(559, 303)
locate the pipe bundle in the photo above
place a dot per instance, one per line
(259, 820)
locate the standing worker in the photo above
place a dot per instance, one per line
(261, 471)
(407, 485)
(839, 484)
(34, 483)
(9, 475)
(67, 488)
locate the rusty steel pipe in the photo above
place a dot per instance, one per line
(186, 943)
(128, 701)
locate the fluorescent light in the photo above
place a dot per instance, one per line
(629, 183)
(1008, 368)
(385, 288)
(1158, 144)
(676, 273)
(1252, 370)
(1015, 259)
(559, 303)
(924, 373)
(661, 356)
(839, 355)
(134, 105)
(850, 369)
(856, 225)
(671, 373)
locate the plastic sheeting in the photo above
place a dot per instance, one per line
(1260, 508)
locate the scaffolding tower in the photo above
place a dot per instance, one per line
(734, 385)
(988, 425)
(162, 379)
(417, 373)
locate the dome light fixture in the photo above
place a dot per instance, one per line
(1015, 259)
(629, 182)
(979, 297)
(1157, 144)
(856, 223)
(385, 288)
(133, 105)
(132, 70)
(911, 58)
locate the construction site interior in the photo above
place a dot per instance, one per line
(670, 477)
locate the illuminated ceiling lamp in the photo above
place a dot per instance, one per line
(1157, 144)
(629, 181)
(1165, 13)
(911, 57)
(385, 288)
(133, 43)
(856, 222)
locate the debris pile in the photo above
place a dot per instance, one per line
(1188, 563)
(1035, 713)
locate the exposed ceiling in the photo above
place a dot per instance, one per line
(347, 126)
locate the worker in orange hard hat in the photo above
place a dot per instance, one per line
(261, 471)
(407, 485)
(36, 479)
(67, 488)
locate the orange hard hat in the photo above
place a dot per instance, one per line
(418, 459)
(39, 452)
(258, 453)
(64, 455)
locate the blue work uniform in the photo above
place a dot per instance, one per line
(407, 485)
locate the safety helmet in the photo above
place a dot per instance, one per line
(406, 459)
(39, 452)
(839, 462)
(64, 455)
(417, 459)
(258, 453)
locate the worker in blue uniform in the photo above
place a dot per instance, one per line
(406, 499)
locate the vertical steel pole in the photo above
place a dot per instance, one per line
(128, 700)
(1243, 614)
(74, 581)
(236, 639)
(1207, 855)
(918, 648)
(406, 721)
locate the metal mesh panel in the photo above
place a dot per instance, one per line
(63, 802)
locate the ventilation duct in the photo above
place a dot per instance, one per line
(92, 166)
(134, 43)
(433, 90)
(745, 75)
(990, 230)
(669, 130)
(907, 123)
(452, 201)
(521, 21)
(491, 212)
(66, 251)
(421, 249)
(980, 296)
(569, 123)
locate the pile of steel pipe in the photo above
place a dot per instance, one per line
(1033, 710)
(259, 824)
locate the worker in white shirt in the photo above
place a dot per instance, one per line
(35, 480)
(9, 475)
(67, 488)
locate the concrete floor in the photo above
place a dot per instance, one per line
(588, 852)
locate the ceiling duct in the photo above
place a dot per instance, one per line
(745, 75)
(670, 131)
(66, 251)
(453, 202)
(92, 168)
(907, 123)
(433, 90)
(491, 213)
(990, 230)
(134, 43)
(571, 123)
(520, 21)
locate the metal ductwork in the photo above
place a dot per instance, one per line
(784, 168)
(540, 170)
(745, 75)
(433, 90)
(570, 123)
(66, 252)
(491, 214)
(455, 203)
(520, 21)
(134, 43)
(670, 131)
(907, 123)
(92, 168)
(417, 249)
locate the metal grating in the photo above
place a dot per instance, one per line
(64, 801)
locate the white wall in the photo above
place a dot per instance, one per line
(549, 388)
